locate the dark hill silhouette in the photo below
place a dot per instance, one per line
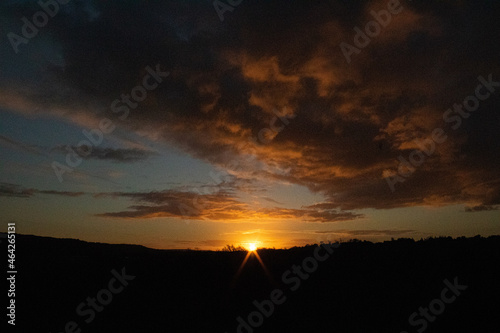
(362, 287)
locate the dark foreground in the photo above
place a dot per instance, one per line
(436, 285)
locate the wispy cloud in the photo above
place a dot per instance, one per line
(118, 155)
(220, 205)
(481, 208)
(13, 190)
(34, 149)
(369, 232)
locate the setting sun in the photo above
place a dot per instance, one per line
(252, 247)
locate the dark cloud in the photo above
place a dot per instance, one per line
(13, 190)
(63, 193)
(481, 208)
(351, 121)
(372, 232)
(220, 205)
(173, 203)
(119, 155)
(272, 200)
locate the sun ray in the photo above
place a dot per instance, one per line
(242, 265)
(252, 250)
(263, 265)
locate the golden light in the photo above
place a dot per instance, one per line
(252, 252)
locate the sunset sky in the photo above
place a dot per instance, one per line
(279, 125)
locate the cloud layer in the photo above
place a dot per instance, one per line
(268, 95)
(217, 206)
(13, 190)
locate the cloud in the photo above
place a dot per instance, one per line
(372, 232)
(173, 203)
(218, 206)
(118, 155)
(34, 149)
(17, 191)
(350, 122)
(481, 208)
(63, 193)
(12, 190)
(272, 200)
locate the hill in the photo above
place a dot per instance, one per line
(433, 285)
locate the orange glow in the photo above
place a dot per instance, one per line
(252, 250)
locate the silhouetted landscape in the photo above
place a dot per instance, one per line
(361, 287)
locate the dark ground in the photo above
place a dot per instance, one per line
(361, 287)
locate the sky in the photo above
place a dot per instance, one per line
(196, 124)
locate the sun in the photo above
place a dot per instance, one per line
(252, 247)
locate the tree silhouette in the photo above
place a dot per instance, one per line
(232, 248)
